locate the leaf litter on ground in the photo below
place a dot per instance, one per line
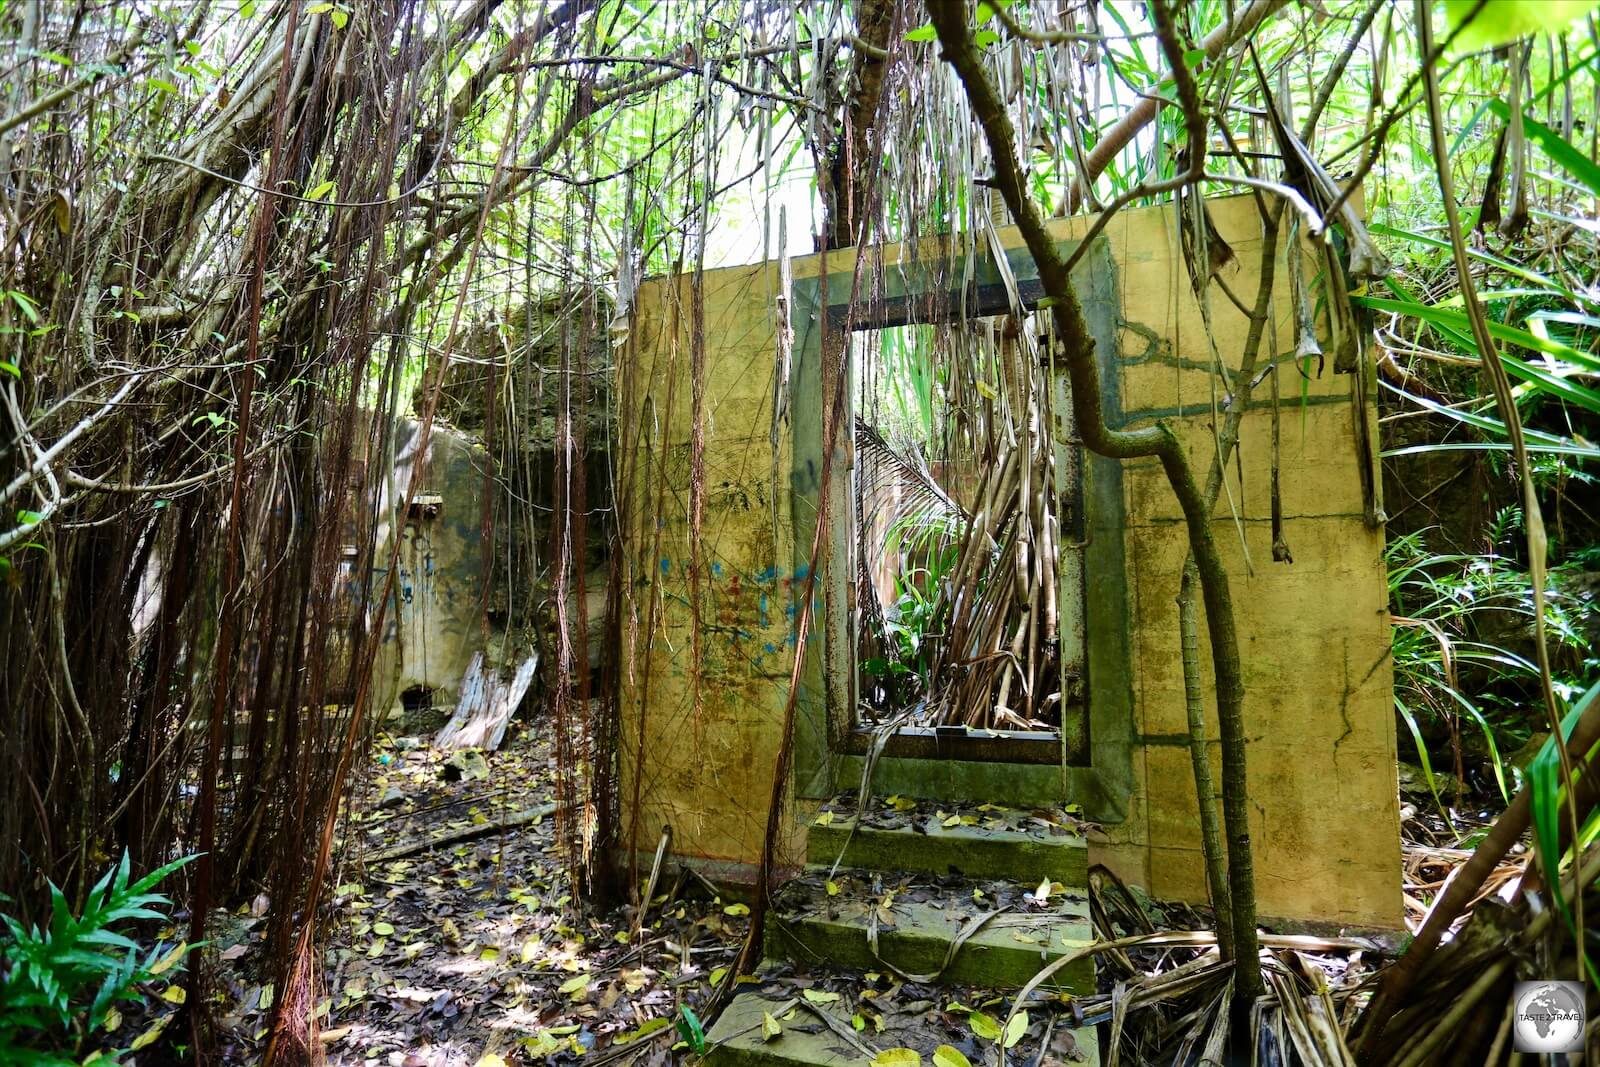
(474, 951)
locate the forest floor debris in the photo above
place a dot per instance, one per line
(454, 939)
(472, 948)
(1433, 846)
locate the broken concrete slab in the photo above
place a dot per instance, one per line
(927, 845)
(737, 1039)
(1004, 952)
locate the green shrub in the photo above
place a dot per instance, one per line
(58, 985)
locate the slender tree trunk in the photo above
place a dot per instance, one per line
(842, 184)
(1188, 622)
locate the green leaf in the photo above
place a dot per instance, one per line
(1458, 320)
(10, 368)
(1503, 21)
(1547, 793)
(925, 32)
(161, 84)
(651, 1027)
(321, 191)
(29, 518)
(1560, 151)
(150, 880)
(1506, 265)
(339, 17)
(26, 304)
(950, 1056)
(985, 38)
(319, 9)
(1451, 324)
(1016, 1028)
(691, 1031)
(984, 1026)
(1540, 441)
(898, 1057)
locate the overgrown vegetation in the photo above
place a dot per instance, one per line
(61, 985)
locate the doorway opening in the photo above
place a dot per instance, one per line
(416, 700)
(966, 542)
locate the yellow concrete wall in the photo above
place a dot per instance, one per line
(707, 768)
(1314, 634)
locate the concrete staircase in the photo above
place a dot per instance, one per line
(905, 924)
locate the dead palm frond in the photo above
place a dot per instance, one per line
(969, 593)
(896, 498)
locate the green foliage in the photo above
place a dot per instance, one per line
(691, 1029)
(1548, 794)
(60, 983)
(1500, 22)
(1458, 619)
(926, 545)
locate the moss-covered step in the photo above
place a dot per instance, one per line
(1012, 941)
(1016, 849)
(804, 1040)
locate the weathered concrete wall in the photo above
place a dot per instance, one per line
(1314, 634)
(435, 623)
(707, 762)
(698, 752)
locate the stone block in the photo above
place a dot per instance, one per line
(1002, 954)
(967, 851)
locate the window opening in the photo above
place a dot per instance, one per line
(967, 607)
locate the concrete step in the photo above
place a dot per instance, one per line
(1013, 941)
(806, 1041)
(1018, 847)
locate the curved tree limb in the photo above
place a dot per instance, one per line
(950, 20)
(1139, 115)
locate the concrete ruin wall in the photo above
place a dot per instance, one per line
(435, 623)
(1314, 634)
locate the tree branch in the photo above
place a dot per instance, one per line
(1138, 117)
(950, 20)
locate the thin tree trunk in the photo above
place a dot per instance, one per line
(1194, 697)
(842, 186)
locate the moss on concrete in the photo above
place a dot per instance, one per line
(1003, 954)
(967, 851)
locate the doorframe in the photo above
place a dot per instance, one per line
(1102, 783)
